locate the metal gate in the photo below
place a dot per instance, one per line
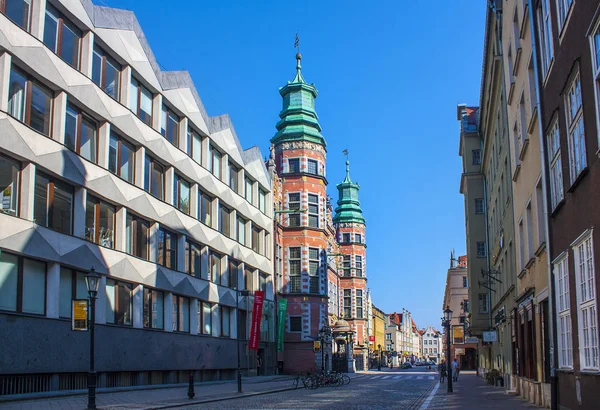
(339, 362)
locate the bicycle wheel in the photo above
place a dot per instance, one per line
(339, 380)
(296, 382)
(346, 379)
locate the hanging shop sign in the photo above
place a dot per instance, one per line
(281, 313)
(490, 336)
(259, 299)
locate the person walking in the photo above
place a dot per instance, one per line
(455, 370)
(258, 365)
(442, 371)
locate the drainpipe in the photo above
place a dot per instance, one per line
(538, 104)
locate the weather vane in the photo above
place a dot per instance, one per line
(297, 43)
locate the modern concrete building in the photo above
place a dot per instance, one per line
(531, 366)
(567, 43)
(456, 297)
(107, 161)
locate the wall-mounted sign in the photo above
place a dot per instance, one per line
(372, 339)
(490, 336)
(317, 346)
(79, 315)
(472, 340)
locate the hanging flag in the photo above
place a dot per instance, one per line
(259, 298)
(281, 312)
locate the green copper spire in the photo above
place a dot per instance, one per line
(299, 121)
(348, 209)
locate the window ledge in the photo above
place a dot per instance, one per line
(530, 263)
(558, 206)
(523, 150)
(577, 181)
(516, 172)
(540, 249)
(532, 120)
(511, 90)
(517, 60)
(590, 372)
(522, 273)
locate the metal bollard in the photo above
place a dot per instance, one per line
(191, 392)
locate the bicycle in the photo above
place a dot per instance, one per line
(305, 378)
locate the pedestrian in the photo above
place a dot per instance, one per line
(258, 365)
(455, 370)
(442, 371)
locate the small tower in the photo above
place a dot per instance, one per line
(299, 150)
(350, 229)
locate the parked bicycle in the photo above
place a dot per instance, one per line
(305, 379)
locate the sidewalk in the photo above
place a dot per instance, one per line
(473, 393)
(159, 398)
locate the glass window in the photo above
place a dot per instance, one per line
(204, 313)
(193, 259)
(313, 261)
(181, 194)
(100, 222)
(255, 238)
(224, 220)
(106, 72)
(22, 284)
(241, 231)
(119, 302)
(137, 236)
(248, 278)
(72, 286)
(81, 133)
(140, 101)
(29, 102)
(233, 177)
(153, 309)
(481, 251)
(233, 271)
(181, 314)
(215, 162)
(121, 158)
(225, 321)
(154, 178)
(170, 126)
(294, 203)
(295, 323)
(34, 287)
(205, 209)
(19, 11)
(358, 265)
(53, 204)
(194, 145)
(9, 185)
(476, 157)
(313, 167)
(294, 165)
(261, 200)
(248, 190)
(576, 132)
(167, 249)
(313, 210)
(9, 277)
(62, 37)
(215, 267)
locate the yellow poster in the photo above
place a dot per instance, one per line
(459, 334)
(79, 315)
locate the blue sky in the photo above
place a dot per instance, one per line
(389, 73)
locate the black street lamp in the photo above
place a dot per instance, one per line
(446, 324)
(379, 356)
(237, 311)
(324, 337)
(92, 281)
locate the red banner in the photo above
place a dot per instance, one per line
(259, 298)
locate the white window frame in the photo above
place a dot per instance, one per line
(484, 254)
(587, 316)
(545, 36)
(563, 311)
(479, 210)
(575, 128)
(554, 157)
(563, 8)
(595, 50)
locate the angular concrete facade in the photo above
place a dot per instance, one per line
(198, 168)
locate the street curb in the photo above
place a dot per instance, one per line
(216, 399)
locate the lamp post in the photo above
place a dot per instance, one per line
(324, 337)
(92, 281)
(379, 358)
(446, 324)
(237, 307)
